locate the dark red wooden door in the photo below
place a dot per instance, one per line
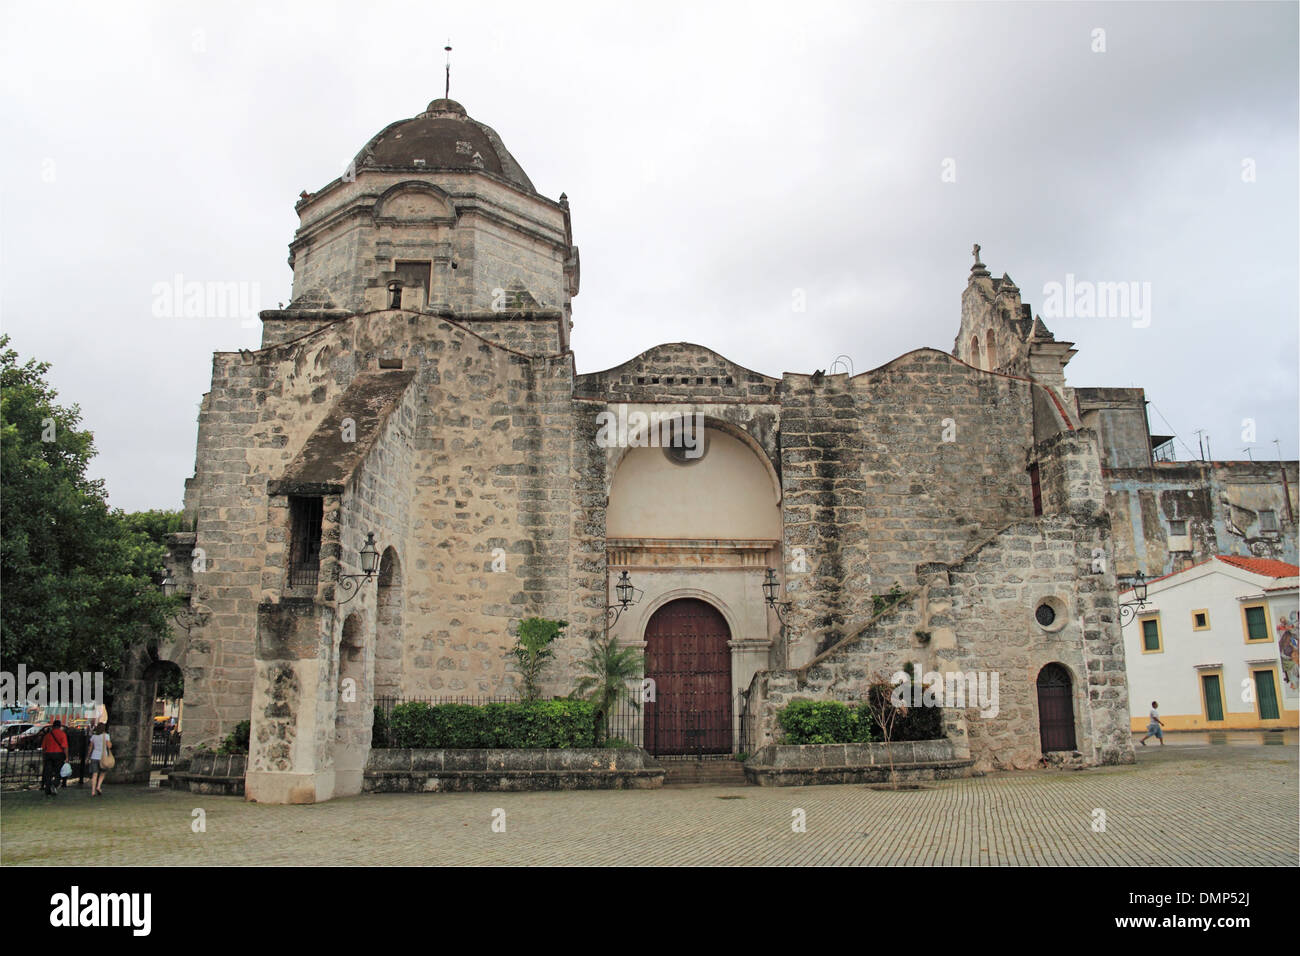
(688, 659)
(1055, 709)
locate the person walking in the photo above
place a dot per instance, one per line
(1153, 726)
(100, 744)
(54, 750)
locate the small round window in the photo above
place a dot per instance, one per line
(685, 443)
(1049, 614)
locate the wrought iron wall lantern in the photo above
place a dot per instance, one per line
(627, 597)
(1128, 609)
(185, 616)
(351, 583)
(771, 588)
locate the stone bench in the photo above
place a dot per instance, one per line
(209, 773)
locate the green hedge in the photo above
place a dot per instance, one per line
(832, 722)
(538, 724)
(824, 722)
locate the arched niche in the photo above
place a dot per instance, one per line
(389, 612)
(414, 201)
(352, 709)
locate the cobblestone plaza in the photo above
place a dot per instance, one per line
(1190, 803)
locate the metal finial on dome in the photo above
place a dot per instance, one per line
(447, 91)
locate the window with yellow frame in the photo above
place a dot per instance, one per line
(1201, 620)
(1149, 633)
(1254, 623)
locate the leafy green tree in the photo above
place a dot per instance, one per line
(77, 577)
(533, 651)
(606, 671)
(156, 524)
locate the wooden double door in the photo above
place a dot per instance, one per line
(689, 661)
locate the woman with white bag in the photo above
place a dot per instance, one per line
(101, 758)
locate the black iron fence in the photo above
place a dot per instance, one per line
(165, 747)
(21, 769)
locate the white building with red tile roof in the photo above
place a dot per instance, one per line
(1216, 646)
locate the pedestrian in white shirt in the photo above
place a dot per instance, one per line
(99, 745)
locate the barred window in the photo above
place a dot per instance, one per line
(305, 516)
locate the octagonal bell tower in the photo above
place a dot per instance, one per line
(434, 215)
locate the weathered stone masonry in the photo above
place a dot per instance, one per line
(420, 388)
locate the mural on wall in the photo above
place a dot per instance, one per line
(1288, 646)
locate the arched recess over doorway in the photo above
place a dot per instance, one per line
(353, 703)
(729, 491)
(389, 642)
(1056, 709)
(688, 658)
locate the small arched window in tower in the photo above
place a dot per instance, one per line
(395, 294)
(975, 351)
(991, 350)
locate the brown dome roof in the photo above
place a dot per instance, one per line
(442, 137)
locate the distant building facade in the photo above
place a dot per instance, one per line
(1216, 646)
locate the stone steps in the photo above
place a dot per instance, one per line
(691, 771)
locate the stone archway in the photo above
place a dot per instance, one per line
(353, 715)
(389, 642)
(130, 712)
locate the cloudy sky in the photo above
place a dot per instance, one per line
(718, 161)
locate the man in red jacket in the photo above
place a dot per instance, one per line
(54, 748)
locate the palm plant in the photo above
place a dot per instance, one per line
(533, 651)
(605, 673)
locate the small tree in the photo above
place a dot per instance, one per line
(533, 650)
(884, 714)
(605, 673)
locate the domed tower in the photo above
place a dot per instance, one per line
(435, 216)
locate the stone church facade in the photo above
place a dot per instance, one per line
(420, 388)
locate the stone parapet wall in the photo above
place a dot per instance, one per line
(480, 770)
(678, 372)
(787, 765)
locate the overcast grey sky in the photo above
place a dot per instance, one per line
(716, 158)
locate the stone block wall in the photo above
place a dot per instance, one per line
(530, 333)
(484, 464)
(1069, 474)
(977, 615)
(916, 461)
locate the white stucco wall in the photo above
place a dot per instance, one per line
(1172, 676)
